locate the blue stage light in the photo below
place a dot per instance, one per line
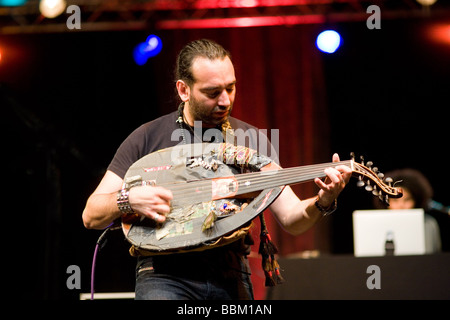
(328, 41)
(12, 3)
(148, 49)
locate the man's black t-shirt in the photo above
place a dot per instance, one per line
(165, 132)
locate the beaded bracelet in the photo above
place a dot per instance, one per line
(326, 211)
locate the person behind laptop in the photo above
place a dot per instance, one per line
(417, 193)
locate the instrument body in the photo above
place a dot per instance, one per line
(232, 183)
(201, 181)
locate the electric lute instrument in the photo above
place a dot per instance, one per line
(218, 189)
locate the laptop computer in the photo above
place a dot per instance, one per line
(375, 230)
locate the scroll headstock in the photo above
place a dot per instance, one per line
(374, 181)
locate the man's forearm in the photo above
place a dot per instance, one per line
(100, 211)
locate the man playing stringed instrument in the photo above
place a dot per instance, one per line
(206, 85)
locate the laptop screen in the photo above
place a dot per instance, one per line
(376, 232)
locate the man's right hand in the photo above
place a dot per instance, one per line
(151, 202)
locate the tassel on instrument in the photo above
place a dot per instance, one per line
(270, 282)
(267, 250)
(276, 272)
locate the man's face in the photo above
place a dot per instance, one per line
(212, 94)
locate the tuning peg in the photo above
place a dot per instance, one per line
(375, 191)
(389, 181)
(380, 175)
(362, 160)
(360, 182)
(352, 156)
(369, 164)
(368, 186)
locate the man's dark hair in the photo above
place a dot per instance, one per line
(199, 48)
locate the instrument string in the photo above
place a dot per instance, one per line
(256, 180)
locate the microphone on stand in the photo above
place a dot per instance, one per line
(434, 205)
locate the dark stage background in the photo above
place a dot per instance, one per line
(68, 100)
